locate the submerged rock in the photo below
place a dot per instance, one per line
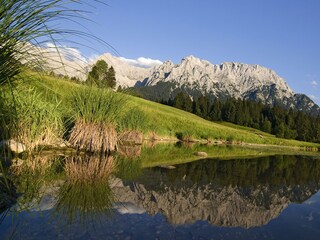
(201, 154)
(167, 166)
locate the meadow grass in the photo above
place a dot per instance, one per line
(134, 119)
(125, 111)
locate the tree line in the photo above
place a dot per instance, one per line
(284, 123)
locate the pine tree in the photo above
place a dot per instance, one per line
(98, 74)
(303, 126)
(111, 78)
(119, 89)
(228, 111)
(266, 125)
(183, 101)
(203, 107)
(178, 101)
(188, 104)
(215, 111)
(279, 129)
(239, 115)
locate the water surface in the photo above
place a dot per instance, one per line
(85, 197)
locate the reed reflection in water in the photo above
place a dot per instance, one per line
(86, 194)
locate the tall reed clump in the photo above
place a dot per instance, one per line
(132, 125)
(96, 112)
(36, 122)
(26, 27)
(86, 193)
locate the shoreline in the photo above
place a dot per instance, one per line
(66, 148)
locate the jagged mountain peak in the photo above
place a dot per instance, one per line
(236, 79)
(196, 76)
(193, 61)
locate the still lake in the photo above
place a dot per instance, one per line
(252, 196)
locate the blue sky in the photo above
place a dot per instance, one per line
(283, 35)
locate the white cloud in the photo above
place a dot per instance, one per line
(68, 53)
(314, 83)
(62, 60)
(142, 62)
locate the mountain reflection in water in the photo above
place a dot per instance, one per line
(245, 193)
(114, 192)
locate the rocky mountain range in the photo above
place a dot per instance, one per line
(199, 77)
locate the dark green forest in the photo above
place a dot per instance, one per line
(284, 123)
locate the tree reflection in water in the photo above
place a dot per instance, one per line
(246, 192)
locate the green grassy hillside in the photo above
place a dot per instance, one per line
(154, 120)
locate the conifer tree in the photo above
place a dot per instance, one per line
(317, 130)
(178, 101)
(215, 110)
(203, 107)
(188, 104)
(302, 125)
(102, 76)
(228, 111)
(266, 125)
(183, 101)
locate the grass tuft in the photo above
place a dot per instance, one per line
(94, 105)
(95, 113)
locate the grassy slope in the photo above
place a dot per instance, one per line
(166, 121)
